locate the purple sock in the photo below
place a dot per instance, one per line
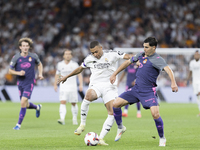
(159, 126)
(138, 105)
(21, 115)
(118, 117)
(32, 106)
(126, 107)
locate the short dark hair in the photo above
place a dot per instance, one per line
(94, 43)
(152, 41)
(66, 50)
(197, 51)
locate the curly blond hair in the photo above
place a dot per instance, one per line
(26, 39)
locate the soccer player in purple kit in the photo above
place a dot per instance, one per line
(130, 82)
(145, 87)
(22, 65)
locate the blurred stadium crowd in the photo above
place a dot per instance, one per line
(73, 24)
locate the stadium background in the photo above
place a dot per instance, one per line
(55, 25)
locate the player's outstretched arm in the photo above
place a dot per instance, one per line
(173, 81)
(75, 72)
(127, 56)
(80, 78)
(121, 78)
(40, 69)
(121, 67)
(19, 73)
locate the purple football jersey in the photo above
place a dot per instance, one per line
(27, 64)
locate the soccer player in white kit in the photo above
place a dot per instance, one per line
(68, 90)
(102, 64)
(195, 73)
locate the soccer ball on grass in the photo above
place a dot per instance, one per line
(91, 139)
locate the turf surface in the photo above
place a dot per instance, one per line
(181, 126)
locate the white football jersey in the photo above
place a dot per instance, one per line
(64, 69)
(103, 68)
(195, 68)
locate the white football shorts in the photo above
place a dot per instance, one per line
(106, 91)
(196, 87)
(70, 97)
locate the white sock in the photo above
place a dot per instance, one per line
(62, 111)
(139, 112)
(198, 102)
(74, 110)
(125, 111)
(107, 126)
(84, 111)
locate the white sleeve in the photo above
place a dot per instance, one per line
(119, 55)
(58, 70)
(190, 66)
(85, 62)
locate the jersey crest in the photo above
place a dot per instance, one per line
(30, 59)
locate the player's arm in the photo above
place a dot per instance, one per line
(189, 75)
(171, 76)
(188, 78)
(56, 82)
(19, 73)
(80, 78)
(75, 72)
(126, 56)
(121, 67)
(121, 78)
(40, 69)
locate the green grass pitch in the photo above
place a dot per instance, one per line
(181, 126)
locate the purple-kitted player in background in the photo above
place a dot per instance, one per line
(22, 65)
(144, 90)
(130, 82)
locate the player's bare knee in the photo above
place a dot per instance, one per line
(156, 115)
(116, 105)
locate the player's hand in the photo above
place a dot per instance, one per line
(22, 73)
(40, 77)
(55, 88)
(62, 79)
(81, 88)
(133, 83)
(174, 88)
(138, 63)
(112, 79)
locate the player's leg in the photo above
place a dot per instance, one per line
(62, 112)
(198, 102)
(117, 104)
(74, 109)
(128, 97)
(27, 93)
(159, 124)
(90, 96)
(125, 113)
(108, 122)
(73, 99)
(22, 113)
(138, 110)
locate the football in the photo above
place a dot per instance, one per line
(91, 139)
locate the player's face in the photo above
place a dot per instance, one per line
(149, 50)
(24, 47)
(97, 51)
(67, 55)
(196, 56)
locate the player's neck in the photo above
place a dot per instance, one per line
(67, 61)
(24, 54)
